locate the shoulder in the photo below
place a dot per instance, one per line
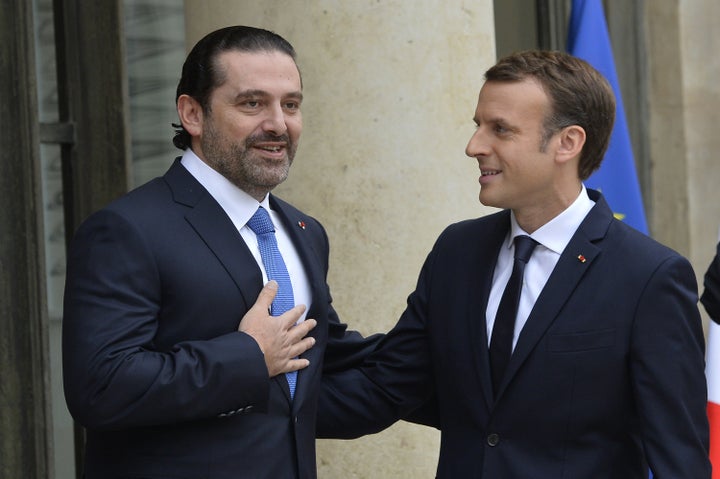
(295, 218)
(711, 293)
(619, 240)
(639, 259)
(144, 200)
(635, 243)
(469, 230)
(145, 211)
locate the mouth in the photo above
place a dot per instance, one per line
(487, 176)
(272, 149)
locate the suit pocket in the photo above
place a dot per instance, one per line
(582, 341)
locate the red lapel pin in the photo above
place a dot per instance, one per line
(301, 224)
(581, 258)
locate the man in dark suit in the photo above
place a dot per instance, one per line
(158, 365)
(599, 372)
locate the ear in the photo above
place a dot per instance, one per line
(571, 142)
(191, 114)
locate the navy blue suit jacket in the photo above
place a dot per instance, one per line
(154, 366)
(711, 295)
(606, 378)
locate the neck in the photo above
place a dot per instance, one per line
(533, 217)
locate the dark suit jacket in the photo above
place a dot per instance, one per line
(607, 375)
(711, 295)
(154, 366)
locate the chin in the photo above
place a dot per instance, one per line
(487, 200)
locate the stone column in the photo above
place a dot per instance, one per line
(390, 92)
(669, 217)
(683, 118)
(699, 44)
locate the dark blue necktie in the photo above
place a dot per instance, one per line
(502, 333)
(275, 268)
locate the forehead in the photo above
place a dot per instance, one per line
(258, 70)
(514, 101)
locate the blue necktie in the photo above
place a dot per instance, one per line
(502, 333)
(275, 268)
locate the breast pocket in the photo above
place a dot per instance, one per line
(581, 341)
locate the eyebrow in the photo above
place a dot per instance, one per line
(497, 120)
(262, 93)
(477, 120)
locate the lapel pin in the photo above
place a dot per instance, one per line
(301, 224)
(581, 258)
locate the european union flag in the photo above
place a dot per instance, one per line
(588, 39)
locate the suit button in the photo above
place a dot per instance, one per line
(493, 439)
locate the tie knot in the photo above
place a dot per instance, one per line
(261, 223)
(524, 246)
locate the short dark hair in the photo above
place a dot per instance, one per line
(200, 72)
(578, 93)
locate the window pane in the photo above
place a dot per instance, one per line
(54, 227)
(155, 45)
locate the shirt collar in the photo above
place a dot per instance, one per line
(237, 204)
(556, 233)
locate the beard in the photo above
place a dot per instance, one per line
(242, 165)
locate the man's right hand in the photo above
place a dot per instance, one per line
(279, 338)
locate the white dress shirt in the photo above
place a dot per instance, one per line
(240, 207)
(552, 237)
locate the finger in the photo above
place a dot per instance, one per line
(296, 333)
(297, 364)
(302, 346)
(266, 296)
(291, 316)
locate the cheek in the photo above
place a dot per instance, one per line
(238, 126)
(538, 172)
(294, 127)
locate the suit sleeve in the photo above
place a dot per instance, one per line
(391, 384)
(115, 377)
(345, 348)
(667, 367)
(711, 295)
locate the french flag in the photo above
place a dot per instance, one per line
(712, 372)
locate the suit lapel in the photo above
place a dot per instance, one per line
(486, 250)
(216, 229)
(575, 261)
(295, 224)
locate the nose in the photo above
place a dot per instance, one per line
(275, 121)
(477, 146)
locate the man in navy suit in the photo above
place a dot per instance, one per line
(603, 373)
(162, 365)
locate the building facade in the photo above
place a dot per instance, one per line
(87, 97)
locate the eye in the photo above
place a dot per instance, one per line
(292, 105)
(251, 103)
